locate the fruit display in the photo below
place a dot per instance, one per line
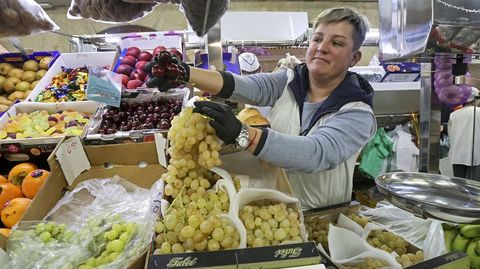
(67, 86)
(42, 124)
(270, 224)
(16, 82)
(464, 238)
(24, 180)
(143, 115)
(21, 17)
(135, 68)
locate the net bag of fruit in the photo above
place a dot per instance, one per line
(102, 222)
(109, 11)
(270, 217)
(23, 17)
(204, 14)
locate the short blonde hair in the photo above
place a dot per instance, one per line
(359, 22)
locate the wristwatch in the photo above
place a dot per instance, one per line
(243, 139)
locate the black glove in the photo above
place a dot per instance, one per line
(166, 71)
(226, 125)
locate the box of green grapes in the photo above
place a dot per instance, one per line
(35, 128)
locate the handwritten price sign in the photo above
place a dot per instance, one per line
(72, 158)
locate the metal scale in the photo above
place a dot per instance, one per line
(421, 30)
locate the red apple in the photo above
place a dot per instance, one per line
(133, 51)
(133, 84)
(141, 65)
(158, 49)
(145, 56)
(176, 52)
(130, 60)
(138, 74)
(124, 69)
(125, 80)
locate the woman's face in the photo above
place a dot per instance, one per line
(330, 52)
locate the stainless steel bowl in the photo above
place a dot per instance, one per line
(433, 196)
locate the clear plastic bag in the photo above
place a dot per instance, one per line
(204, 14)
(96, 213)
(109, 11)
(422, 233)
(23, 17)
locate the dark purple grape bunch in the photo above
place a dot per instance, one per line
(167, 71)
(144, 115)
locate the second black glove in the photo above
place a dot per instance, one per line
(225, 123)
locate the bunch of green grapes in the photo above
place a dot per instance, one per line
(270, 225)
(51, 231)
(410, 259)
(388, 241)
(199, 233)
(193, 150)
(318, 230)
(370, 263)
(113, 242)
(360, 220)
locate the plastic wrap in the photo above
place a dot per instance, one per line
(109, 11)
(422, 233)
(23, 17)
(204, 14)
(96, 213)
(348, 248)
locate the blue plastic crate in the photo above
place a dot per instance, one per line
(17, 59)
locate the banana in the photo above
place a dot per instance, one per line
(449, 226)
(470, 230)
(472, 253)
(449, 236)
(460, 243)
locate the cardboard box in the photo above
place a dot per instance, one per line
(247, 258)
(31, 149)
(254, 174)
(71, 60)
(136, 162)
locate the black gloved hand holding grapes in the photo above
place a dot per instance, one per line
(225, 123)
(167, 71)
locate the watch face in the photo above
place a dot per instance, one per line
(243, 142)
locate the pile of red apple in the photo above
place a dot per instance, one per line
(132, 65)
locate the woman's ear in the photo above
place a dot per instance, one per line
(357, 55)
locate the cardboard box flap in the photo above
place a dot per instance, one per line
(122, 154)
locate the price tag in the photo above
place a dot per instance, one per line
(104, 88)
(72, 158)
(161, 144)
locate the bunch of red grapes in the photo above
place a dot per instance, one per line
(166, 71)
(144, 115)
